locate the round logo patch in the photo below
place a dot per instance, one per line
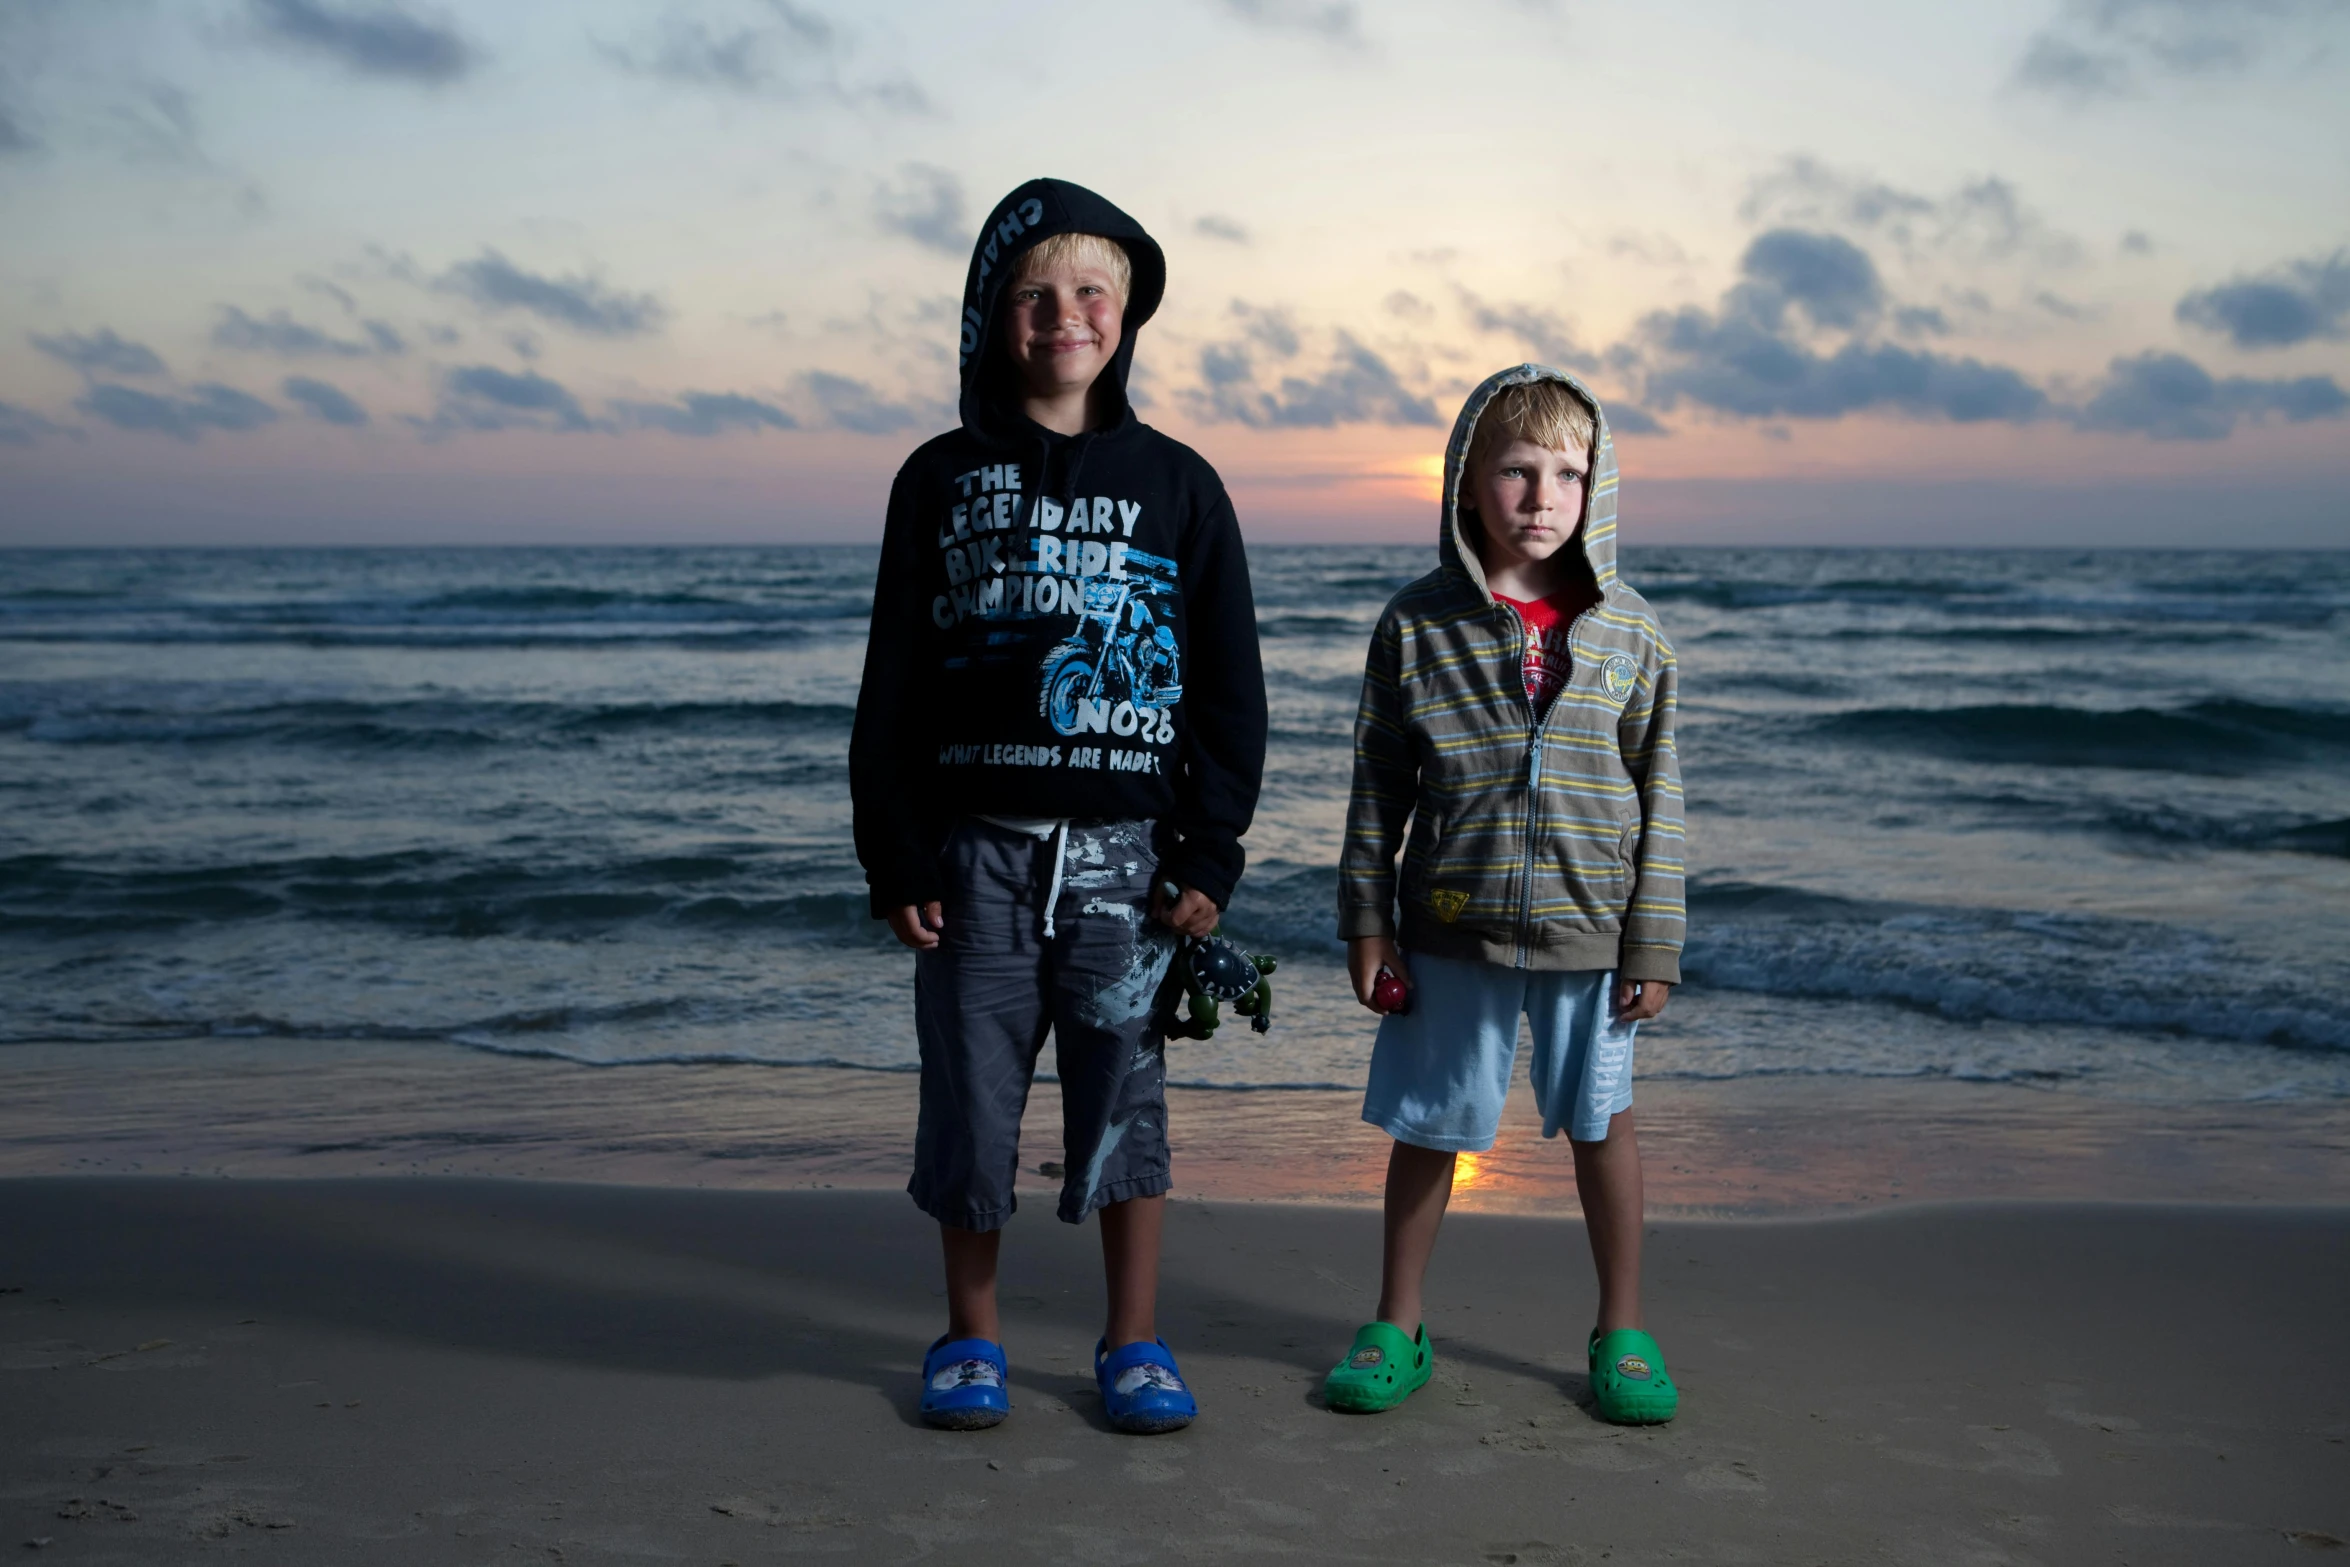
(1632, 1368)
(1366, 1357)
(1619, 676)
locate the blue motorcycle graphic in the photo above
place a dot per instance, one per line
(1118, 672)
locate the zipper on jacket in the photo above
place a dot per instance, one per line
(1534, 724)
(1537, 724)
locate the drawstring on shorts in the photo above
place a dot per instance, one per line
(1060, 862)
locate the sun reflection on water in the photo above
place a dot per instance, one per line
(1469, 1172)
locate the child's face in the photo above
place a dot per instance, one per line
(1061, 327)
(1530, 501)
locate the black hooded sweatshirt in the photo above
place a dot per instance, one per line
(1062, 625)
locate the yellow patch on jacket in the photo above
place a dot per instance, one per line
(1448, 903)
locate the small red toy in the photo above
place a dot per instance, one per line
(1388, 993)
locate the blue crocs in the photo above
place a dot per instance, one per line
(1142, 1392)
(963, 1384)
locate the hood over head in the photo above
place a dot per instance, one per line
(1031, 212)
(1597, 535)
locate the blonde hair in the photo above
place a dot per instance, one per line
(1079, 250)
(1548, 413)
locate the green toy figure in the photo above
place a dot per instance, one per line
(1210, 971)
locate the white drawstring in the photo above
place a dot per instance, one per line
(1060, 859)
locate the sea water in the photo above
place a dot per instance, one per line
(2072, 819)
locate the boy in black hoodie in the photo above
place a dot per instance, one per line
(1062, 713)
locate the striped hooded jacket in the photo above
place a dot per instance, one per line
(1550, 844)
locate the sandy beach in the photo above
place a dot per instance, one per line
(461, 1370)
(1749, 1148)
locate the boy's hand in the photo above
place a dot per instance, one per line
(1365, 957)
(1638, 1000)
(1193, 912)
(918, 927)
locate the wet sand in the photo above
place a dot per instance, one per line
(1772, 1146)
(463, 1370)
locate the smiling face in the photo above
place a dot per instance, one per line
(1529, 500)
(1062, 325)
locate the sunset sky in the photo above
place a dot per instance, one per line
(2038, 271)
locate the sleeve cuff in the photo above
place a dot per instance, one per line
(1186, 866)
(1643, 964)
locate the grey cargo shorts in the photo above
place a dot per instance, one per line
(987, 994)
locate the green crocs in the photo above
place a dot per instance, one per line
(1629, 1380)
(1382, 1369)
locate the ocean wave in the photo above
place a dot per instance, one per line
(2214, 737)
(1313, 626)
(2029, 635)
(1749, 593)
(466, 617)
(424, 723)
(2257, 832)
(1964, 963)
(2015, 965)
(438, 893)
(2310, 838)
(485, 638)
(629, 1034)
(2131, 605)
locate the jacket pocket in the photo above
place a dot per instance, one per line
(1423, 854)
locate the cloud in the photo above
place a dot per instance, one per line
(1536, 328)
(1215, 225)
(926, 205)
(1359, 387)
(1632, 419)
(483, 397)
(705, 413)
(323, 401)
(2298, 302)
(2168, 397)
(99, 353)
(795, 56)
(208, 406)
(369, 40)
(1980, 220)
(287, 338)
(2110, 48)
(332, 290)
(745, 60)
(1829, 278)
(581, 303)
(850, 404)
(156, 125)
(15, 140)
(1333, 21)
(1742, 360)
(2064, 69)
(1734, 365)
(1269, 326)
(22, 426)
(1408, 305)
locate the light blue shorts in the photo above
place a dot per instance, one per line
(1440, 1072)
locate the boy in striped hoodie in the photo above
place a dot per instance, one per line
(1518, 712)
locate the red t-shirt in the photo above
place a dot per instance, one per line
(1550, 660)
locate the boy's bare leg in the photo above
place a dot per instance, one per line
(1130, 1259)
(1607, 1179)
(1419, 1186)
(971, 1256)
